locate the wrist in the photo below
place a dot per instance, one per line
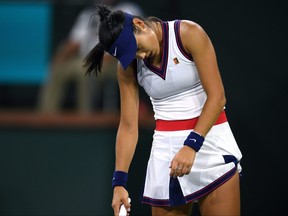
(194, 141)
(197, 133)
(119, 179)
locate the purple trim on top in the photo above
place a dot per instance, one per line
(161, 71)
(179, 42)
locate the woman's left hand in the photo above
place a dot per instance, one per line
(182, 162)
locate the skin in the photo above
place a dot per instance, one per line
(225, 200)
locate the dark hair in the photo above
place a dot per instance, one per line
(109, 29)
(111, 25)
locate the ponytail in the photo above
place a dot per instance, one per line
(109, 29)
(103, 12)
(93, 61)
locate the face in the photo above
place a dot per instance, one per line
(147, 43)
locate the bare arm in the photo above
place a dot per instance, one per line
(127, 135)
(197, 42)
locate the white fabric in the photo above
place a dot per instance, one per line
(175, 96)
(180, 95)
(209, 164)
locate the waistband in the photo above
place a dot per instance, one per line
(175, 125)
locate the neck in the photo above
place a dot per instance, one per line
(157, 27)
(158, 30)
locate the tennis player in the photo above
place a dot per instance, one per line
(194, 155)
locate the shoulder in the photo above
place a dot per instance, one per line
(192, 34)
(188, 27)
(128, 75)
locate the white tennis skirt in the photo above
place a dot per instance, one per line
(214, 164)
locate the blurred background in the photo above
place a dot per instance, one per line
(58, 127)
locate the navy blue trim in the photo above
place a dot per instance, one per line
(230, 158)
(176, 196)
(179, 42)
(161, 71)
(155, 202)
(218, 182)
(192, 197)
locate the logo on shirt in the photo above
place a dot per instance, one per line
(176, 61)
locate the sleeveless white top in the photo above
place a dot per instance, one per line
(175, 90)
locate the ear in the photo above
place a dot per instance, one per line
(138, 23)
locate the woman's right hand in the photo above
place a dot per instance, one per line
(120, 195)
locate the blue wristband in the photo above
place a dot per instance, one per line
(119, 179)
(194, 141)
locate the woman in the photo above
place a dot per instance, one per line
(194, 155)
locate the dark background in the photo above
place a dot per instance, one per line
(66, 171)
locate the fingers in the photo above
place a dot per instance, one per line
(120, 196)
(126, 203)
(179, 170)
(182, 162)
(116, 208)
(125, 208)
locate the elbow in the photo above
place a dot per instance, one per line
(129, 127)
(222, 100)
(218, 100)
